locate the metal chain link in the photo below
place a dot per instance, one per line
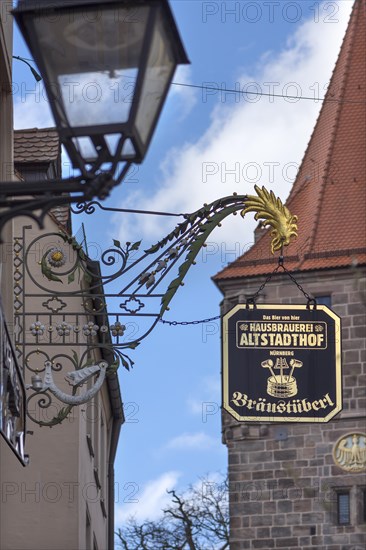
(307, 296)
(175, 323)
(252, 299)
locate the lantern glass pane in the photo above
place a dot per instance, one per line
(160, 67)
(86, 148)
(92, 59)
(112, 141)
(128, 150)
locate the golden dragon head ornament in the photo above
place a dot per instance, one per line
(274, 214)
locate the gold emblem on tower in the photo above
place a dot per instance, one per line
(349, 452)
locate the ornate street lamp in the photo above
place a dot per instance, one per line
(107, 67)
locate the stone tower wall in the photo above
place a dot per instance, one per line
(283, 478)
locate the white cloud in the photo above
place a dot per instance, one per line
(191, 441)
(209, 482)
(261, 141)
(31, 110)
(151, 499)
(245, 143)
(205, 399)
(195, 405)
(187, 96)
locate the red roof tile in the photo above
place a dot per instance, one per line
(36, 145)
(329, 194)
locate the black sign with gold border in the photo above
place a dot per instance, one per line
(282, 363)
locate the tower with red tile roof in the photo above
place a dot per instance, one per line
(329, 194)
(286, 489)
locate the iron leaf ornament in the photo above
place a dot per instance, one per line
(138, 276)
(97, 328)
(265, 204)
(182, 245)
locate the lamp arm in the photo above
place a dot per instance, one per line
(36, 75)
(35, 199)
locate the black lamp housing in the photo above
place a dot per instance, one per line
(107, 67)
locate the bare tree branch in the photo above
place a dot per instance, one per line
(197, 519)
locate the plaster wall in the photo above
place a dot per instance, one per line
(45, 505)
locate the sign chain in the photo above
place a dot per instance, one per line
(252, 300)
(307, 296)
(175, 323)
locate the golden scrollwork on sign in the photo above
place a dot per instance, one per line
(349, 452)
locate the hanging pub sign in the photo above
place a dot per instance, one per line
(282, 363)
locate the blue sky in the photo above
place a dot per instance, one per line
(207, 145)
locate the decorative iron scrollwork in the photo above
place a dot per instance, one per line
(71, 294)
(75, 378)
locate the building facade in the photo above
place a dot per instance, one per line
(69, 480)
(288, 486)
(62, 495)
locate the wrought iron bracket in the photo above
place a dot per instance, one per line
(60, 274)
